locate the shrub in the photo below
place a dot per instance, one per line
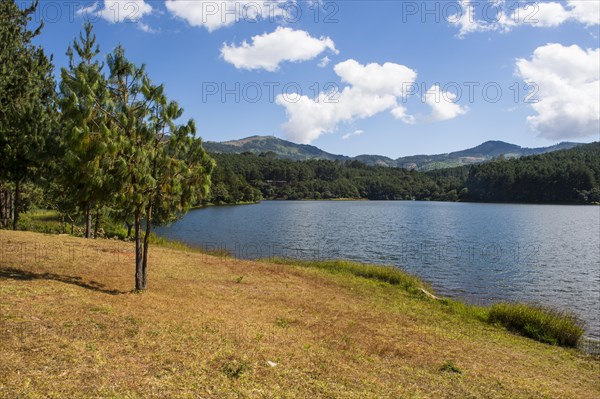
(449, 366)
(540, 323)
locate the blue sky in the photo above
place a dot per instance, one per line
(352, 77)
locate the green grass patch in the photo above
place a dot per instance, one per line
(480, 313)
(40, 221)
(450, 367)
(386, 274)
(540, 323)
(180, 246)
(233, 368)
(49, 222)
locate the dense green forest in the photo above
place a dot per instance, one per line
(249, 177)
(568, 176)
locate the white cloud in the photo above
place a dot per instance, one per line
(399, 112)
(146, 28)
(388, 78)
(372, 89)
(568, 90)
(354, 133)
(537, 14)
(585, 11)
(268, 50)
(115, 11)
(544, 15)
(324, 62)
(442, 104)
(86, 11)
(466, 20)
(213, 14)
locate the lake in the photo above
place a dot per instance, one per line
(548, 254)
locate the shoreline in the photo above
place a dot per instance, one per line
(222, 324)
(208, 205)
(228, 253)
(587, 344)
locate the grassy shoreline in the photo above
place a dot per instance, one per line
(213, 326)
(531, 320)
(535, 321)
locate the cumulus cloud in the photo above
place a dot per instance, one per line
(354, 133)
(115, 11)
(442, 104)
(568, 90)
(543, 15)
(465, 20)
(213, 15)
(538, 14)
(585, 11)
(400, 112)
(268, 50)
(324, 62)
(146, 28)
(389, 78)
(372, 89)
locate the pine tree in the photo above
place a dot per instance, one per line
(180, 168)
(28, 117)
(161, 168)
(89, 142)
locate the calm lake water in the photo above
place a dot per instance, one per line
(548, 254)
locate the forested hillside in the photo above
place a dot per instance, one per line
(568, 176)
(248, 177)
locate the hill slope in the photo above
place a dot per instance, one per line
(262, 144)
(222, 328)
(481, 153)
(566, 176)
(300, 152)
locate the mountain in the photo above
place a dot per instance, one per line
(481, 153)
(300, 152)
(262, 144)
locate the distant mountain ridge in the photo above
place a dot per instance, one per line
(301, 152)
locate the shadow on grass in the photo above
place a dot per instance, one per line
(17, 274)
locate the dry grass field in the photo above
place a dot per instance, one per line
(216, 327)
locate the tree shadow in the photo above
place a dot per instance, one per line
(17, 274)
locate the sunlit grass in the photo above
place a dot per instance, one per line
(386, 274)
(71, 326)
(540, 323)
(181, 246)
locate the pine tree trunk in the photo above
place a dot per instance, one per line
(97, 223)
(129, 227)
(88, 221)
(140, 278)
(2, 208)
(147, 243)
(16, 204)
(10, 206)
